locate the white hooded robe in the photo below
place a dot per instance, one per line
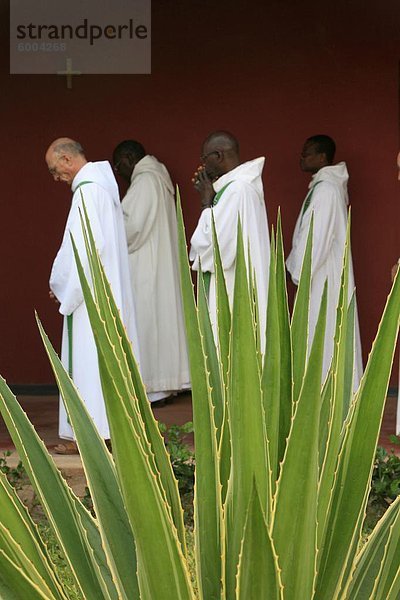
(328, 202)
(95, 182)
(243, 197)
(151, 231)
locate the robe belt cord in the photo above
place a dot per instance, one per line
(207, 274)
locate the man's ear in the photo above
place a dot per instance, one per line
(324, 159)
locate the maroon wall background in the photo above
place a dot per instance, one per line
(271, 72)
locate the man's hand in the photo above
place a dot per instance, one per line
(52, 297)
(202, 183)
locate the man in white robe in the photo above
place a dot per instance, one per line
(327, 199)
(151, 231)
(95, 183)
(230, 189)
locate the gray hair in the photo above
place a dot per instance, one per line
(70, 146)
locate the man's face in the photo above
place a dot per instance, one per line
(59, 168)
(123, 166)
(311, 160)
(211, 161)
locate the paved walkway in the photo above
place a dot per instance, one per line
(43, 412)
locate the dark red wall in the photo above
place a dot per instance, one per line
(271, 72)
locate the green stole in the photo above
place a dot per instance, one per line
(70, 321)
(81, 184)
(307, 201)
(207, 274)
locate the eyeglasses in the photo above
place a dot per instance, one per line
(204, 157)
(53, 169)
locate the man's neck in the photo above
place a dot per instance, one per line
(231, 165)
(82, 163)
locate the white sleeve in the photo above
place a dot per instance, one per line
(64, 279)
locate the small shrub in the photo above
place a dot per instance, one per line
(182, 458)
(88, 502)
(15, 475)
(183, 464)
(61, 566)
(385, 483)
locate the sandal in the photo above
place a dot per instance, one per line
(67, 447)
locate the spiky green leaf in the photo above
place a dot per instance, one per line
(373, 564)
(299, 324)
(357, 455)
(223, 309)
(208, 509)
(131, 378)
(285, 339)
(258, 573)
(295, 536)
(271, 375)
(337, 399)
(102, 480)
(250, 461)
(73, 525)
(15, 518)
(142, 489)
(15, 584)
(212, 361)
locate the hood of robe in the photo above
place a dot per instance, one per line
(249, 171)
(100, 173)
(336, 174)
(149, 164)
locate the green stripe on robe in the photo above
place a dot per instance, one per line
(207, 274)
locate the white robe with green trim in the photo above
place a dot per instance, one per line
(244, 198)
(102, 202)
(328, 203)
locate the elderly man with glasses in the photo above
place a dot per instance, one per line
(94, 184)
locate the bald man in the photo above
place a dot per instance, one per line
(230, 189)
(95, 185)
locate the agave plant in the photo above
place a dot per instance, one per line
(283, 464)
